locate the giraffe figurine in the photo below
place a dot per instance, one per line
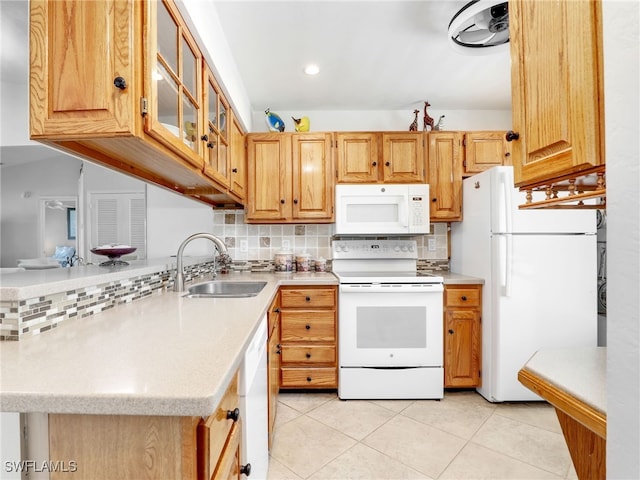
(414, 125)
(428, 121)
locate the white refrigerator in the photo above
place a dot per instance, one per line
(540, 273)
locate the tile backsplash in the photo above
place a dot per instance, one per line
(249, 242)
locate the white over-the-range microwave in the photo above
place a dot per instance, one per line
(382, 209)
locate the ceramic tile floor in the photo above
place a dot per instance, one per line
(318, 436)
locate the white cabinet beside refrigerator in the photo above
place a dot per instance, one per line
(540, 273)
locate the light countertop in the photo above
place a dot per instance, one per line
(162, 355)
(579, 372)
(37, 283)
(451, 278)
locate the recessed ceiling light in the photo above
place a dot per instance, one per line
(312, 69)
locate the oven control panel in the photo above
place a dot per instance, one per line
(374, 249)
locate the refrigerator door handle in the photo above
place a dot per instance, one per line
(508, 266)
(504, 264)
(507, 193)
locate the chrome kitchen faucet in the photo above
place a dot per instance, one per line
(178, 286)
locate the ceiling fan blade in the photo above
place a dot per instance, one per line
(483, 18)
(475, 36)
(500, 37)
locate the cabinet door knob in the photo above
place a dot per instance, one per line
(282, 201)
(308, 379)
(508, 154)
(277, 310)
(204, 137)
(374, 163)
(245, 469)
(307, 326)
(464, 298)
(433, 200)
(388, 164)
(120, 83)
(308, 355)
(451, 331)
(233, 414)
(295, 200)
(307, 298)
(234, 170)
(511, 136)
(209, 145)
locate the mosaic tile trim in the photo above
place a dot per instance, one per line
(433, 265)
(19, 319)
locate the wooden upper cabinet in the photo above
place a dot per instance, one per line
(376, 157)
(403, 158)
(238, 161)
(312, 176)
(120, 83)
(483, 150)
(78, 50)
(268, 177)
(557, 89)
(357, 157)
(216, 137)
(445, 175)
(173, 86)
(290, 177)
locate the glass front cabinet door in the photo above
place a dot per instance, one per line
(173, 85)
(216, 154)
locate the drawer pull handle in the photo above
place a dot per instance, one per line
(245, 469)
(308, 327)
(464, 298)
(307, 298)
(308, 355)
(308, 379)
(233, 414)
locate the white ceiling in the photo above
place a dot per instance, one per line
(373, 55)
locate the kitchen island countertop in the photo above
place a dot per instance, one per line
(162, 355)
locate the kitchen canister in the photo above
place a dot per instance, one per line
(303, 262)
(321, 264)
(284, 262)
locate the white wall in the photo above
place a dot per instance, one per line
(367, 120)
(22, 186)
(171, 218)
(622, 114)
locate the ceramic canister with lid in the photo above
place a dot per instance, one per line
(303, 262)
(284, 262)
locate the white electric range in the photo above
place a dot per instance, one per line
(390, 322)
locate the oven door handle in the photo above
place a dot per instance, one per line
(392, 288)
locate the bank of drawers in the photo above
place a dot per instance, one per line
(308, 337)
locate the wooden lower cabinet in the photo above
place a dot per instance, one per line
(462, 335)
(219, 438)
(308, 337)
(142, 446)
(273, 363)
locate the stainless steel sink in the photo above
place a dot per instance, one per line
(215, 289)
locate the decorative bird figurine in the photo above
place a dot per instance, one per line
(428, 121)
(274, 122)
(440, 124)
(301, 124)
(414, 125)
